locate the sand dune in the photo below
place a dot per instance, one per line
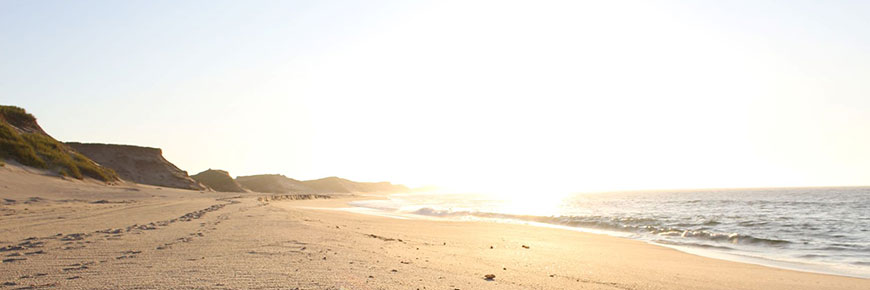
(276, 183)
(138, 164)
(219, 180)
(272, 183)
(341, 185)
(25, 142)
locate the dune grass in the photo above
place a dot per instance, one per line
(15, 115)
(13, 146)
(53, 153)
(42, 151)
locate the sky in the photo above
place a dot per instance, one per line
(472, 95)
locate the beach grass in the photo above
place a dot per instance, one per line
(13, 146)
(16, 115)
(43, 151)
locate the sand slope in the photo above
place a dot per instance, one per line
(25, 142)
(138, 164)
(218, 180)
(340, 185)
(272, 183)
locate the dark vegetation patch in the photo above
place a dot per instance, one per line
(16, 116)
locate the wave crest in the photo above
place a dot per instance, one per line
(621, 224)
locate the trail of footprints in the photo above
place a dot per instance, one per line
(18, 253)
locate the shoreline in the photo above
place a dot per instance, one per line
(799, 266)
(545, 229)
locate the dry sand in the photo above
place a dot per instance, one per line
(81, 235)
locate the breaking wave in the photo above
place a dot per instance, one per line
(621, 224)
(819, 226)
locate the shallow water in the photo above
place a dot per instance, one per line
(814, 229)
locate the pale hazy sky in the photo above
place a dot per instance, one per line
(567, 95)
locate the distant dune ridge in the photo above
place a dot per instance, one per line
(219, 180)
(276, 183)
(272, 183)
(341, 185)
(139, 164)
(23, 140)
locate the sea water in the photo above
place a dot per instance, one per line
(823, 230)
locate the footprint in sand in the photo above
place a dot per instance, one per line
(28, 243)
(74, 237)
(78, 266)
(11, 248)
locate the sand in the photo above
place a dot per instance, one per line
(83, 235)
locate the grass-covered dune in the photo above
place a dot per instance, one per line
(23, 140)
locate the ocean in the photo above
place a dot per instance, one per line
(825, 230)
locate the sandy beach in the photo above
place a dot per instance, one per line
(201, 144)
(82, 235)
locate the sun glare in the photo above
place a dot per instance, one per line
(532, 204)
